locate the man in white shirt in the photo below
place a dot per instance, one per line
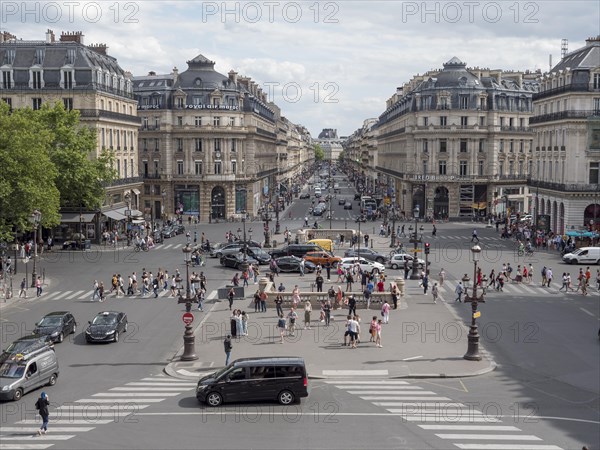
(354, 329)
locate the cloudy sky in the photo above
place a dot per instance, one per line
(326, 64)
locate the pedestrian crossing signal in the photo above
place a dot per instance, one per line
(427, 247)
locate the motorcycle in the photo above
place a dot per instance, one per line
(140, 247)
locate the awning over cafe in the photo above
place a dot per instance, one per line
(73, 217)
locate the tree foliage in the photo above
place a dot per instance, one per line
(47, 160)
(319, 153)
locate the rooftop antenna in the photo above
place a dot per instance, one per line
(550, 63)
(564, 47)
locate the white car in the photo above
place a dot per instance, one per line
(365, 265)
(397, 261)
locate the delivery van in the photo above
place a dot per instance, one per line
(583, 255)
(20, 373)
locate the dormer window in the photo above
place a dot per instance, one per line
(67, 79)
(7, 79)
(39, 56)
(36, 79)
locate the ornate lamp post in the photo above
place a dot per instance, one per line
(189, 350)
(36, 217)
(277, 226)
(473, 348)
(163, 206)
(267, 219)
(244, 265)
(415, 267)
(128, 216)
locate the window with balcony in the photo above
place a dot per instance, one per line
(198, 144)
(464, 121)
(233, 145)
(511, 168)
(234, 167)
(110, 138)
(594, 172)
(179, 121)
(511, 122)
(198, 167)
(217, 167)
(501, 149)
(232, 121)
(156, 167)
(156, 144)
(501, 168)
(36, 103)
(597, 106)
(179, 144)
(425, 146)
(501, 121)
(179, 167)
(511, 146)
(232, 102)
(444, 103)
(596, 81)
(198, 121)
(521, 146)
(144, 123)
(217, 144)
(481, 121)
(425, 167)
(144, 143)
(529, 167)
(147, 188)
(463, 168)
(463, 146)
(481, 145)
(442, 167)
(125, 172)
(216, 121)
(480, 168)
(425, 121)
(443, 145)
(482, 104)
(67, 79)
(156, 123)
(443, 121)
(68, 103)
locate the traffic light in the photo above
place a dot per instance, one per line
(427, 246)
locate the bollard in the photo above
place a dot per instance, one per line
(400, 283)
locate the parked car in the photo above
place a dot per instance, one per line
(106, 327)
(368, 266)
(282, 379)
(322, 258)
(292, 264)
(342, 201)
(305, 195)
(235, 260)
(397, 261)
(366, 253)
(57, 325)
(179, 228)
(348, 205)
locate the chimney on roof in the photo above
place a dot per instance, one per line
(591, 40)
(50, 38)
(75, 36)
(175, 73)
(99, 48)
(233, 76)
(151, 73)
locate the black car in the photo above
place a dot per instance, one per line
(235, 260)
(348, 205)
(341, 201)
(319, 210)
(292, 264)
(27, 344)
(366, 253)
(179, 229)
(222, 249)
(357, 196)
(304, 195)
(106, 327)
(259, 254)
(56, 325)
(168, 231)
(157, 237)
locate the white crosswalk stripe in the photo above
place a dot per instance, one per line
(449, 420)
(71, 297)
(447, 291)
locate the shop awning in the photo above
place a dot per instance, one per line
(115, 214)
(582, 234)
(136, 191)
(76, 217)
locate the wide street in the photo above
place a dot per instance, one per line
(543, 395)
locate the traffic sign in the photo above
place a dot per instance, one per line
(477, 315)
(187, 318)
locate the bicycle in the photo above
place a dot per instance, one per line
(139, 247)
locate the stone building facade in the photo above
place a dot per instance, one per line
(565, 180)
(457, 142)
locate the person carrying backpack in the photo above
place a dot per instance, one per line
(42, 406)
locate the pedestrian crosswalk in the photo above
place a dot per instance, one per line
(464, 425)
(71, 419)
(87, 295)
(510, 290)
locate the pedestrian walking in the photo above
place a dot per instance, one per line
(41, 405)
(544, 279)
(378, 335)
(459, 292)
(292, 316)
(395, 294)
(349, 281)
(565, 284)
(441, 277)
(474, 235)
(228, 347)
(101, 291)
(319, 282)
(263, 301)
(353, 331)
(281, 326)
(328, 271)
(23, 290)
(95, 293)
(307, 311)
(352, 305)
(385, 312)
(435, 292)
(406, 269)
(548, 276)
(230, 296)
(38, 286)
(425, 282)
(327, 312)
(295, 296)
(244, 318)
(373, 329)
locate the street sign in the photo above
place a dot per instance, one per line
(477, 315)
(187, 318)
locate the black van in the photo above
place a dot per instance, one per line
(283, 379)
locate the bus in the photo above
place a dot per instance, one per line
(367, 204)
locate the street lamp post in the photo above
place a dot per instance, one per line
(244, 265)
(394, 217)
(189, 350)
(267, 219)
(35, 219)
(128, 218)
(163, 206)
(473, 347)
(277, 225)
(415, 266)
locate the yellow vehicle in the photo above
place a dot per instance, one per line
(325, 244)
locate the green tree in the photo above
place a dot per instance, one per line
(319, 153)
(28, 180)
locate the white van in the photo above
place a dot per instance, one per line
(584, 255)
(317, 191)
(20, 373)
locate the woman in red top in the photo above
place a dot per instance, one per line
(380, 286)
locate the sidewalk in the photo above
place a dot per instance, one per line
(422, 340)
